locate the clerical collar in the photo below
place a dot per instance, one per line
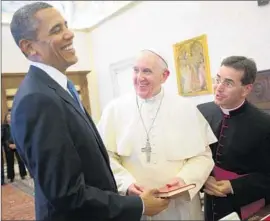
(157, 97)
(233, 110)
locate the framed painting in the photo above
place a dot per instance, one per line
(192, 67)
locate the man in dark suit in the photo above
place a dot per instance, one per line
(56, 137)
(240, 181)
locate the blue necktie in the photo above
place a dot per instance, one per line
(74, 93)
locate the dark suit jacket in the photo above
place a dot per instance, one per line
(65, 155)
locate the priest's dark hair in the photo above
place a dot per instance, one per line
(23, 24)
(245, 64)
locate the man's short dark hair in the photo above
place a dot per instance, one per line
(241, 63)
(23, 24)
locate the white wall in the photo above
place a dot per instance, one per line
(232, 28)
(14, 61)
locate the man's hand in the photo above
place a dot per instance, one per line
(135, 189)
(152, 204)
(217, 188)
(12, 146)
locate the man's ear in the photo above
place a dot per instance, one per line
(248, 88)
(166, 74)
(27, 47)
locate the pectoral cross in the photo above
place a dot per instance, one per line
(147, 150)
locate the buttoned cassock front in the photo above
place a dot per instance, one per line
(179, 138)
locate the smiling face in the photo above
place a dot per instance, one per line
(229, 90)
(54, 41)
(149, 73)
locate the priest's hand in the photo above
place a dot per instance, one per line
(225, 186)
(135, 189)
(152, 204)
(212, 188)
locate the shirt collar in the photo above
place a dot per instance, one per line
(227, 111)
(55, 74)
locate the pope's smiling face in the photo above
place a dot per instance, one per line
(148, 75)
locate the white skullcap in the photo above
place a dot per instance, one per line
(157, 54)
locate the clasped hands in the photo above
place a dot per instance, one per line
(217, 188)
(152, 204)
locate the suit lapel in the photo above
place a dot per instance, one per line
(65, 96)
(98, 138)
(35, 72)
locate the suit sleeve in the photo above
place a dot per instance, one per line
(41, 135)
(256, 185)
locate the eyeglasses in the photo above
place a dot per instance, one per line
(227, 83)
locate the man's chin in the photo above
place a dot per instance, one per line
(72, 61)
(217, 102)
(143, 95)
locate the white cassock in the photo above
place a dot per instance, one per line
(179, 138)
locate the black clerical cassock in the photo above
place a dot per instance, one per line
(243, 153)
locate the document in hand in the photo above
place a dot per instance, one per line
(174, 191)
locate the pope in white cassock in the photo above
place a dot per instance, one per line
(154, 138)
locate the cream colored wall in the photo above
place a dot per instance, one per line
(93, 85)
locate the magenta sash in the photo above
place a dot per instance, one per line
(248, 210)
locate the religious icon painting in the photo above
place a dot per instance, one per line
(192, 67)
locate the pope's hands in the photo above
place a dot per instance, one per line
(176, 182)
(152, 204)
(217, 188)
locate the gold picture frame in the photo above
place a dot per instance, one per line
(192, 67)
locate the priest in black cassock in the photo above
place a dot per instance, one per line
(240, 180)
